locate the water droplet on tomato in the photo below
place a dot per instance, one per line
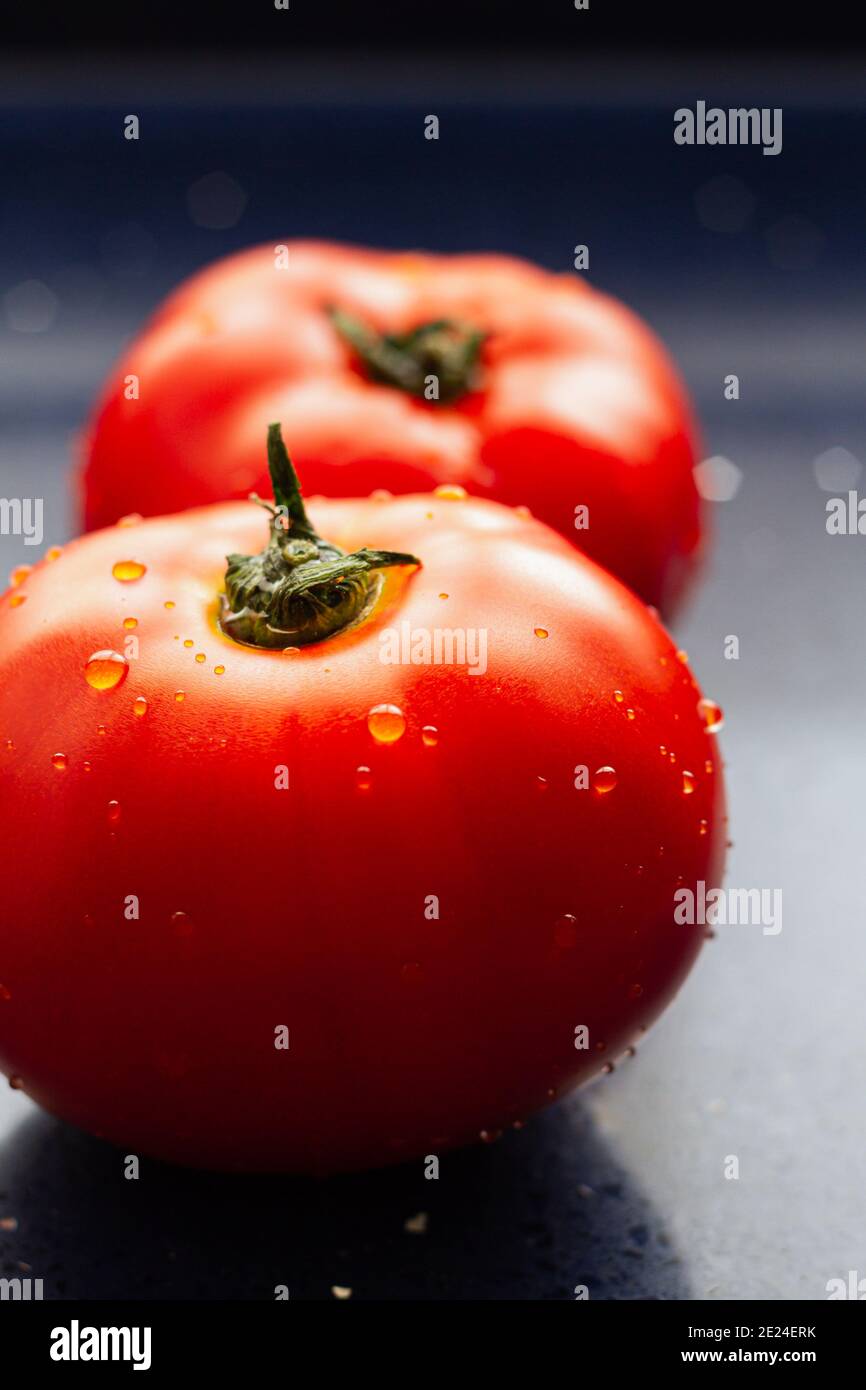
(711, 715)
(179, 696)
(443, 595)
(430, 735)
(708, 765)
(363, 778)
(100, 729)
(629, 714)
(635, 992)
(139, 706)
(618, 697)
(663, 750)
(130, 623)
(690, 781)
(88, 766)
(608, 1068)
(182, 923)
(541, 632)
(450, 492)
(565, 932)
(131, 519)
(53, 554)
(106, 670)
(604, 779)
(200, 657)
(114, 812)
(219, 670)
(16, 1082)
(59, 760)
(19, 574)
(386, 723)
(128, 570)
(703, 827)
(16, 600)
(187, 642)
(682, 656)
(9, 745)
(169, 603)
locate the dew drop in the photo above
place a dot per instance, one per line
(88, 766)
(59, 760)
(219, 670)
(663, 750)
(114, 812)
(604, 779)
(128, 570)
(187, 642)
(179, 696)
(10, 745)
(131, 519)
(199, 656)
(703, 827)
(629, 714)
(682, 656)
(443, 595)
(541, 632)
(16, 1083)
(53, 554)
(430, 735)
(106, 670)
(708, 765)
(100, 729)
(139, 706)
(450, 492)
(608, 1068)
(16, 600)
(130, 623)
(711, 715)
(386, 723)
(182, 923)
(19, 574)
(363, 778)
(541, 784)
(690, 781)
(618, 697)
(169, 603)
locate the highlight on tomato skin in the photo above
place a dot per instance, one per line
(405, 371)
(392, 881)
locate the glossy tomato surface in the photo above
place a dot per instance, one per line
(207, 843)
(573, 404)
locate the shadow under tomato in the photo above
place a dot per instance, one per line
(528, 1217)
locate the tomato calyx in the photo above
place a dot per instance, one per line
(300, 589)
(437, 361)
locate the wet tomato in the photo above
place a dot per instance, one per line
(336, 857)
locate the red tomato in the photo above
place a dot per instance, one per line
(551, 395)
(390, 855)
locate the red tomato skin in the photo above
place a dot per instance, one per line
(578, 405)
(306, 907)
